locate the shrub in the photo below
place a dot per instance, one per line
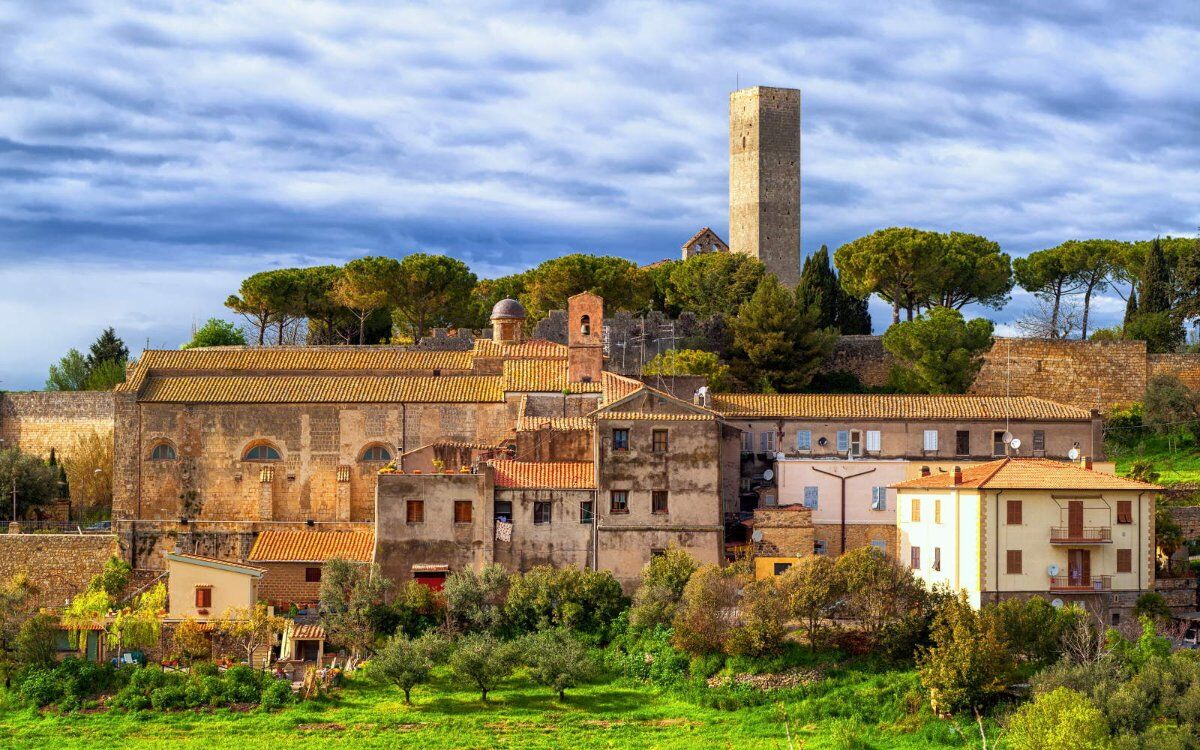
(558, 660)
(707, 612)
(880, 591)
(762, 620)
(663, 580)
(168, 697)
(1153, 605)
(475, 600)
(969, 662)
(41, 687)
(1062, 719)
(483, 662)
(276, 695)
(35, 641)
(585, 601)
(649, 655)
(811, 588)
(1034, 629)
(1123, 425)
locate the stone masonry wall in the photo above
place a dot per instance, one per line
(37, 421)
(1186, 367)
(60, 565)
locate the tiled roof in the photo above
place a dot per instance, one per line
(1027, 474)
(214, 560)
(542, 375)
(559, 424)
(545, 474)
(313, 546)
(307, 631)
(654, 416)
(891, 406)
(617, 387)
(255, 389)
(535, 349)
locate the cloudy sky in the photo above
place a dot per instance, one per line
(153, 154)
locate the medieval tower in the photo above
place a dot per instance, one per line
(764, 178)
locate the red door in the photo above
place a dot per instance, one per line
(433, 579)
(1075, 519)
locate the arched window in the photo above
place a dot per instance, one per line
(262, 452)
(585, 325)
(163, 451)
(376, 453)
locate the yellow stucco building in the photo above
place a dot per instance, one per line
(1021, 527)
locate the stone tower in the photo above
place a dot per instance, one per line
(764, 178)
(585, 338)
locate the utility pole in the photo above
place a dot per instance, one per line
(14, 515)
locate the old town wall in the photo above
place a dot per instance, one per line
(37, 421)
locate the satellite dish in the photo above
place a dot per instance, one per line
(823, 441)
(1056, 603)
(1073, 454)
(1007, 437)
(1015, 444)
(756, 536)
(1052, 569)
(780, 456)
(768, 475)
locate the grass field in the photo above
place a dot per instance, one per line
(1176, 459)
(850, 709)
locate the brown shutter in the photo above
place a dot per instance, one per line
(1013, 560)
(1014, 512)
(1124, 561)
(1124, 511)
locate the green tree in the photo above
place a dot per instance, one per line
(490, 291)
(622, 284)
(1155, 281)
(660, 279)
(1095, 264)
(663, 580)
(1153, 605)
(879, 590)
(251, 630)
(407, 662)
(1161, 332)
(349, 593)
(1062, 719)
(819, 287)
(705, 616)
(366, 285)
(35, 642)
(558, 660)
(777, 345)
(969, 663)
(140, 625)
(586, 601)
(70, 374)
(105, 375)
(894, 263)
(35, 482)
(1168, 536)
(328, 322)
(216, 332)
(762, 620)
(1169, 406)
(433, 290)
(482, 661)
(1157, 321)
(1051, 274)
(475, 599)
(811, 588)
(938, 352)
(690, 362)
(266, 298)
(713, 283)
(108, 347)
(969, 269)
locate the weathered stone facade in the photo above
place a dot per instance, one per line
(59, 565)
(857, 536)
(783, 531)
(38, 421)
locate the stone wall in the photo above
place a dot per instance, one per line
(1186, 367)
(37, 421)
(1188, 519)
(786, 530)
(862, 355)
(857, 535)
(60, 565)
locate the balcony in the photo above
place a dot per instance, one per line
(1080, 584)
(1083, 535)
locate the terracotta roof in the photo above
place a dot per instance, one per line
(214, 561)
(542, 375)
(1027, 474)
(891, 406)
(616, 387)
(654, 416)
(558, 424)
(307, 632)
(258, 389)
(545, 474)
(535, 349)
(699, 234)
(313, 546)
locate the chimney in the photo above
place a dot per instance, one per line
(924, 471)
(957, 475)
(1085, 462)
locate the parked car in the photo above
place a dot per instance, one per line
(100, 526)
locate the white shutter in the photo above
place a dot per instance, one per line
(931, 440)
(873, 440)
(748, 441)
(879, 498)
(843, 441)
(810, 497)
(803, 440)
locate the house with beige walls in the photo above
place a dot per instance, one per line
(204, 588)
(1024, 527)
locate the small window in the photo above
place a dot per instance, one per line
(748, 441)
(414, 511)
(766, 442)
(1124, 511)
(811, 500)
(937, 558)
(1013, 513)
(780, 568)
(619, 501)
(879, 498)
(262, 452)
(377, 453)
(1124, 561)
(163, 452)
(962, 443)
(203, 597)
(1013, 562)
(937, 510)
(1116, 619)
(502, 510)
(874, 441)
(915, 558)
(541, 513)
(587, 512)
(879, 544)
(463, 511)
(855, 443)
(930, 441)
(1039, 440)
(804, 440)
(657, 552)
(818, 546)
(916, 510)
(312, 575)
(658, 502)
(658, 442)
(620, 440)
(999, 448)
(843, 441)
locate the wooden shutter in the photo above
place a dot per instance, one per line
(1124, 561)
(916, 510)
(1014, 512)
(1124, 511)
(1013, 561)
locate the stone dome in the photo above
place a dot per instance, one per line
(508, 308)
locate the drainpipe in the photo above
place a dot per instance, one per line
(843, 477)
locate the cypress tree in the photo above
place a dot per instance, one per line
(1131, 307)
(108, 348)
(1156, 281)
(821, 288)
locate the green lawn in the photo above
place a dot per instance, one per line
(852, 709)
(1176, 459)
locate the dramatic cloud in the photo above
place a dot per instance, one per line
(152, 155)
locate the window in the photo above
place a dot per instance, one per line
(810, 497)
(843, 441)
(620, 440)
(1012, 562)
(937, 558)
(874, 441)
(879, 544)
(879, 498)
(1039, 440)
(203, 597)
(658, 441)
(804, 440)
(414, 511)
(930, 441)
(818, 546)
(916, 510)
(163, 452)
(962, 443)
(1124, 561)
(1124, 511)
(768, 498)
(541, 513)
(377, 453)
(618, 501)
(748, 441)
(463, 511)
(781, 567)
(657, 552)
(312, 575)
(998, 446)
(915, 558)
(937, 510)
(766, 442)
(587, 512)
(855, 443)
(261, 452)
(502, 510)
(1014, 513)
(658, 501)
(585, 325)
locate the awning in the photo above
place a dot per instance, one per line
(431, 568)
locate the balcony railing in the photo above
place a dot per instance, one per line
(1085, 535)
(1081, 583)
